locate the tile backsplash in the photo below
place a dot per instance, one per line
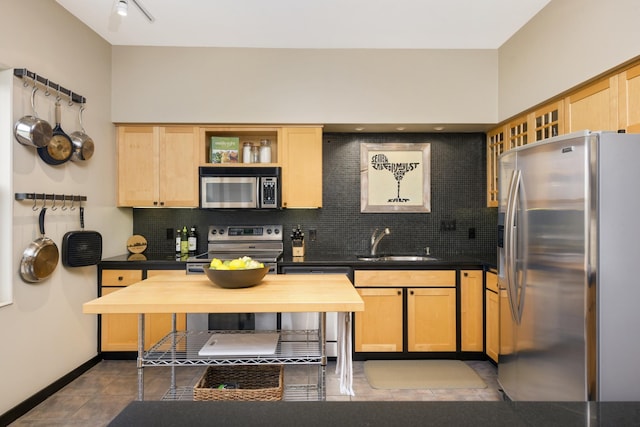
(458, 192)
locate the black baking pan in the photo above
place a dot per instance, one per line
(81, 248)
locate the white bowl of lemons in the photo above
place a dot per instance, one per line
(241, 272)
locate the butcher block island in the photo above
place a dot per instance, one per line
(319, 293)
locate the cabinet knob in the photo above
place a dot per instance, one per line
(466, 274)
(161, 203)
(155, 203)
(411, 292)
(120, 278)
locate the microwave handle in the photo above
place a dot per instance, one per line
(258, 192)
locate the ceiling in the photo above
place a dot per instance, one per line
(330, 24)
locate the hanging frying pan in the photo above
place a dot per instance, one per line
(81, 248)
(60, 148)
(40, 258)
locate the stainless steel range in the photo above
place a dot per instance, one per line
(262, 243)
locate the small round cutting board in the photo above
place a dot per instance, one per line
(136, 244)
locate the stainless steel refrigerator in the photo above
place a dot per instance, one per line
(569, 268)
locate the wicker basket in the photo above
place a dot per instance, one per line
(253, 382)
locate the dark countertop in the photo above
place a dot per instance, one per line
(145, 257)
(352, 260)
(164, 260)
(407, 414)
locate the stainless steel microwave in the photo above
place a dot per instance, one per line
(245, 187)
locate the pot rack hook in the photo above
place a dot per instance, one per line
(44, 201)
(54, 207)
(73, 199)
(80, 117)
(33, 100)
(64, 203)
(70, 99)
(35, 200)
(46, 87)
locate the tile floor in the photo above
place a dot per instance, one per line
(97, 396)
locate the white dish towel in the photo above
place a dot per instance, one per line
(344, 367)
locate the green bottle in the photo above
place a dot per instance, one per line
(184, 241)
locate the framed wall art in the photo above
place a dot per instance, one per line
(395, 177)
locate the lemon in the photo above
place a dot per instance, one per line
(215, 263)
(237, 264)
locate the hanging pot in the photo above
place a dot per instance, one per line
(60, 148)
(31, 130)
(83, 146)
(40, 258)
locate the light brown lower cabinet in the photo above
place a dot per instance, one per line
(506, 325)
(119, 332)
(430, 315)
(431, 319)
(471, 305)
(492, 322)
(379, 327)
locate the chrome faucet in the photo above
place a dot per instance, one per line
(376, 240)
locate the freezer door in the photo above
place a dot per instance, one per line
(545, 274)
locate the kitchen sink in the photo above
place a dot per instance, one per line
(411, 258)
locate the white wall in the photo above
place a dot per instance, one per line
(566, 43)
(44, 334)
(326, 86)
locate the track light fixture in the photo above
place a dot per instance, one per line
(122, 7)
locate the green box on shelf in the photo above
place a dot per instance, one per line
(224, 149)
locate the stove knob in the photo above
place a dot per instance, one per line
(276, 231)
(268, 231)
(221, 231)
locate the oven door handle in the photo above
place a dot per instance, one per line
(195, 268)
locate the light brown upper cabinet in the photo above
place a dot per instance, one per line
(301, 167)
(629, 100)
(518, 132)
(157, 166)
(547, 121)
(594, 107)
(610, 103)
(495, 147)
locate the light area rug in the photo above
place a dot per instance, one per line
(421, 374)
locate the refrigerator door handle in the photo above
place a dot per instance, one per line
(510, 243)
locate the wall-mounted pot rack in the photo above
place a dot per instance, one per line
(74, 198)
(73, 97)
